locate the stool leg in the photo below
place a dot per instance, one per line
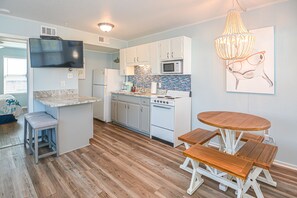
(49, 136)
(57, 140)
(25, 132)
(30, 139)
(36, 145)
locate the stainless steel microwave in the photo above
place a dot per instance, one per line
(172, 67)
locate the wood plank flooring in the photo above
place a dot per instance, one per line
(12, 133)
(119, 163)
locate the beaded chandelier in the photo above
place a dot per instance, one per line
(236, 41)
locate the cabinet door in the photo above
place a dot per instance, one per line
(145, 119)
(142, 53)
(133, 115)
(176, 46)
(165, 49)
(114, 110)
(122, 113)
(131, 55)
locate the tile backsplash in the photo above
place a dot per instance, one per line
(143, 78)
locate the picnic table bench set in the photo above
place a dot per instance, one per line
(241, 158)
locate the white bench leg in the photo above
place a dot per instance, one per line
(196, 179)
(185, 165)
(267, 179)
(252, 181)
(239, 188)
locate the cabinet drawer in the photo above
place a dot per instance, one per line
(114, 96)
(131, 99)
(145, 101)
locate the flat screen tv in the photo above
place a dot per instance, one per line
(56, 53)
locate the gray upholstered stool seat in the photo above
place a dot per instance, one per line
(43, 122)
(26, 117)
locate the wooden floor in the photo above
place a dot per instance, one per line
(119, 163)
(12, 133)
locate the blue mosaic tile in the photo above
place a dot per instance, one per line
(142, 78)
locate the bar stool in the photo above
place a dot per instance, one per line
(26, 116)
(43, 122)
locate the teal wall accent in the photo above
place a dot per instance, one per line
(15, 53)
(208, 73)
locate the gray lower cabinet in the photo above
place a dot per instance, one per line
(133, 116)
(145, 119)
(131, 111)
(114, 110)
(122, 113)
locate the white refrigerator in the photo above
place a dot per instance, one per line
(104, 82)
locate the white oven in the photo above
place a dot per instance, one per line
(172, 67)
(162, 123)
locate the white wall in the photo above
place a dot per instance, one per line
(93, 60)
(208, 74)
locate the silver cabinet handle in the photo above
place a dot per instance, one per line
(124, 71)
(141, 109)
(137, 59)
(128, 106)
(167, 54)
(134, 59)
(171, 54)
(125, 106)
(161, 107)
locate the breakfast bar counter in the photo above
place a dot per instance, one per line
(75, 119)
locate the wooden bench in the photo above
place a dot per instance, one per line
(197, 136)
(215, 160)
(262, 155)
(248, 136)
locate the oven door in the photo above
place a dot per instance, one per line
(162, 116)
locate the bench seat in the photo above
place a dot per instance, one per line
(198, 136)
(248, 136)
(233, 165)
(261, 154)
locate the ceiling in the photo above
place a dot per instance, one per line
(132, 18)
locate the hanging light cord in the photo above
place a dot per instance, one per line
(242, 8)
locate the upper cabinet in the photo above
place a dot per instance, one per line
(124, 68)
(178, 48)
(172, 49)
(138, 55)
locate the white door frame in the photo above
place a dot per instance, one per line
(29, 69)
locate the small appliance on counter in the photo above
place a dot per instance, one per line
(153, 87)
(104, 82)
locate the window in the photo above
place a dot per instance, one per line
(15, 75)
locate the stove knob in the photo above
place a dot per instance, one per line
(164, 102)
(154, 100)
(167, 102)
(157, 100)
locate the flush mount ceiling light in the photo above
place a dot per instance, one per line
(3, 10)
(236, 41)
(105, 27)
(1, 45)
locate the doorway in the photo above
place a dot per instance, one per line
(13, 90)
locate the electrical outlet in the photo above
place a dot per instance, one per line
(160, 85)
(70, 75)
(63, 83)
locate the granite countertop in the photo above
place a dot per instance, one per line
(66, 100)
(136, 94)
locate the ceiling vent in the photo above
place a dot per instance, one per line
(48, 31)
(103, 40)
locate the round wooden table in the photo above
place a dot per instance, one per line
(231, 122)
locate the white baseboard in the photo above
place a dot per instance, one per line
(276, 162)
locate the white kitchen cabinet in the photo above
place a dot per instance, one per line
(114, 110)
(122, 113)
(178, 48)
(172, 49)
(138, 55)
(155, 58)
(124, 68)
(145, 119)
(133, 115)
